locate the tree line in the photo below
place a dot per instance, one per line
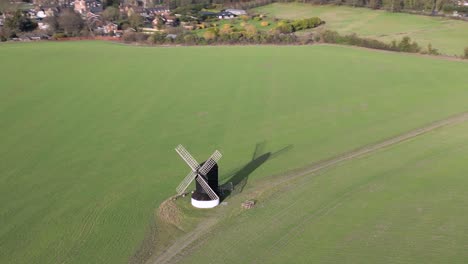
(429, 6)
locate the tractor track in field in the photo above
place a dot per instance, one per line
(184, 243)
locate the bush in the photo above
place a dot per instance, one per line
(226, 29)
(265, 24)
(134, 37)
(431, 51)
(209, 35)
(406, 45)
(157, 38)
(59, 36)
(244, 18)
(465, 55)
(284, 27)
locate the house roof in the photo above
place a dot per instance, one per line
(224, 13)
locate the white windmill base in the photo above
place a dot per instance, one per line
(205, 204)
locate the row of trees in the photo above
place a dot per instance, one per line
(290, 26)
(392, 5)
(404, 45)
(189, 38)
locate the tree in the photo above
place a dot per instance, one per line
(114, 3)
(135, 21)
(53, 23)
(71, 22)
(18, 23)
(111, 14)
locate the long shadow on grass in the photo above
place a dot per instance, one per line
(238, 179)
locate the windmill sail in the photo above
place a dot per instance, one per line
(207, 188)
(186, 182)
(209, 164)
(185, 155)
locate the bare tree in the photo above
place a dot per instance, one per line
(71, 22)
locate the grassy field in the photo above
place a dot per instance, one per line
(449, 36)
(88, 129)
(406, 204)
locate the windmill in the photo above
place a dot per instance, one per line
(206, 177)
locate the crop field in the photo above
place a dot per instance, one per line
(447, 35)
(88, 130)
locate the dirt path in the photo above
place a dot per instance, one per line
(184, 242)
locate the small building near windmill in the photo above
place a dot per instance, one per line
(237, 12)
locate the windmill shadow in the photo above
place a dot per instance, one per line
(239, 178)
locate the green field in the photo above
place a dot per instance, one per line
(407, 204)
(449, 36)
(87, 132)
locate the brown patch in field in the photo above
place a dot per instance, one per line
(169, 213)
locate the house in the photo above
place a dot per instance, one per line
(43, 26)
(110, 28)
(225, 15)
(84, 6)
(237, 12)
(41, 14)
(160, 10)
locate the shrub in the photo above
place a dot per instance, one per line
(284, 27)
(244, 18)
(226, 29)
(157, 38)
(265, 24)
(432, 51)
(190, 39)
(209, 35)
(134, 37)
(406, 45)
(257, 18)
(250, 30)
(465, 55)
(59, 36)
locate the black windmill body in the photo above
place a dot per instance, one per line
(212, 179)
(205, 176)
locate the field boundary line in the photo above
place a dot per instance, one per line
(185, 241)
